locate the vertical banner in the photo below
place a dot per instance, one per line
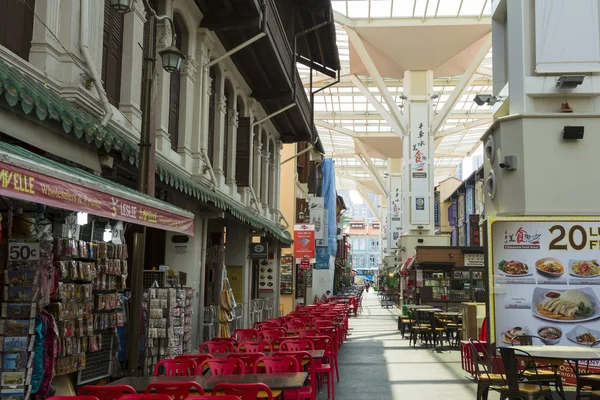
(317, 217)
(304, 242)
(394, 212)
(420, 162)
(544, 274)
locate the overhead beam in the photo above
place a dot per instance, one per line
(368, 201)
(462, 85)
(484, 71)
(353, 115)
(399, 22)
(377, 105)
(365, 160)
(393, 83)
(367, 61)
(318, 79)
(335, 128)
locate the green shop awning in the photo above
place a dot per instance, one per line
(28, 176)
(34, 97)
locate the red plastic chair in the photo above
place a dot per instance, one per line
(176, 367)
(254, 347)
(296, 345)
(294, 325)
(245, 334)
(269, 334)
(224, 366)
(245, 391)
(265, 325)
(198, 358)
(306, 392)
(176, 390)
(277, 364)
(249, 359)
(326, 369)
(232, 340)
(78, 397)
(333, 334)
(106, 392)
(211, 397)
(154, 396)
(322, 323)
(213, 347)
(307, 332)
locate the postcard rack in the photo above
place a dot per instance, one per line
(169, 324)
(20, 293)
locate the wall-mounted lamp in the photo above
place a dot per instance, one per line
(82, 218)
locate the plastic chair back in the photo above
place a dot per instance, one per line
(245, 334)
(294, 325)
(249, 359)
(255, 347)
(245, 391)
(265, 325)
(78, 397)
(233, 341)
(105, 392)
(296, 345)
(154, 396)
(308, 332)
(211, 397)
(213, 347)
(198, 359)
(176, 390)
(278, 364)
(176, 367)
(224, 366)
(269, 334)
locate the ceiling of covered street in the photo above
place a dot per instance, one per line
(353, 117)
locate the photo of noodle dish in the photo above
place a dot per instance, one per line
(584, 268)
(573, 305)
(550, 267)
(583, 336)
(513, 268)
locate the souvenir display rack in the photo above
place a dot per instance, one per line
(169, 324)
(20, 293)
(87, 304)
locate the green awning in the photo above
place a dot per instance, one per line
(35, 97)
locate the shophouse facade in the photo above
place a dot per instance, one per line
(364, 238)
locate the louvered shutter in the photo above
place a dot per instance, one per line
(211, 117)
(174, 94)
(226, 135)
(16, 26)
(112, 53)
(243, 153)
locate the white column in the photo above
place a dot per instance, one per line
(266, 162)
(163, 86)
(45, 50)
(187, 110)
(418, 154)
(220, 132)
(232, 126)
(200, 128)
(277, 179)
(131, 66)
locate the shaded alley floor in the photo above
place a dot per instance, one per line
(376, 363)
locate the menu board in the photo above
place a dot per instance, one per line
(266, 275)
(286, 275)
(545, 276)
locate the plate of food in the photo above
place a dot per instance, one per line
(550, 334)
(511, 336)
(513, 268)
(583, 335)
(584, 268)
(550, 267)
(573, 305)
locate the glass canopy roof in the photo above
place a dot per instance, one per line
(343, 113)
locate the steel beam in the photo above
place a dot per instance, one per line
(368, 201)
(462, 85)
(364, 159)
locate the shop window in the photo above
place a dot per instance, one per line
(16, 26)
(175, 90)
(211, 116)
(112, 53)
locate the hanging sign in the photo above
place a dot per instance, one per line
(304, 241)
(305, 263)
(420, 187)
(395, 211)
(259, 250)
(32, 186)
(20, 250)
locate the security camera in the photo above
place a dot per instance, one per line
(509, 163)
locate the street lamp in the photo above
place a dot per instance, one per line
(171, 60)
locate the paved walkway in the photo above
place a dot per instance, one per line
(377, 364)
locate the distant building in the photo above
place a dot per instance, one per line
(359, 211)
(364, 238)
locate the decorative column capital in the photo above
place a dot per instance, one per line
(140, 10)
(234, 118)
(208, 85)
(190, 67)
(222, 103)
(165, 35)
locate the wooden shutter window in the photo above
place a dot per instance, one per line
(226, 133)
(243, 153)
(174, 95)
(112, 53)
(211, 117)
(16, 26)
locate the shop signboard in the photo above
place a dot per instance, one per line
(32, 186)
(545, 281)
(259, 250)
(304, 241)
(420, 179)
(395, 211)
(305, 263)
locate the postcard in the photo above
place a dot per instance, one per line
(19, 293)
(16, 343)
(20, 277)
(14, 360)
(16, 327)
(18, 310)
(12, 394)
(13, 379)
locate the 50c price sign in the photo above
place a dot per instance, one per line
(22, 250)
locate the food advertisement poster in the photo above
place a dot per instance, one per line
(545, 276)
(266, 275)
(286, 284)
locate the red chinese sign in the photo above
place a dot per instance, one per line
(32, 186)
(304, 241)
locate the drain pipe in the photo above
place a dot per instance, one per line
(213, 178)
(83, 46)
